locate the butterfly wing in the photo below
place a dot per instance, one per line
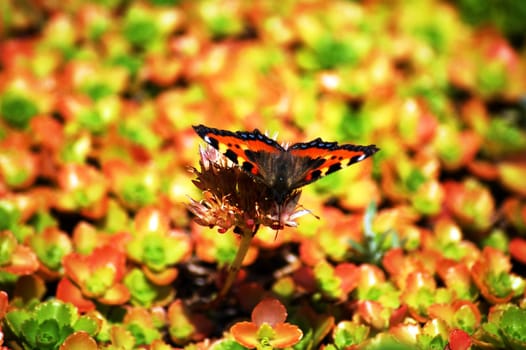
(327, 157)
(241, 146)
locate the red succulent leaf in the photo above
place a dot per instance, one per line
(269, 311)
(249, 294)
(305, 279)
(517, 248)
(44, 125)
(484, 170)
(15, 52)
(459, 340)
(393, 260)
(4, 303)
(69, 293)
(348, 274)
(398, 315)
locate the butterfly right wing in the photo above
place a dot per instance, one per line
(327, 157)
(240, 147)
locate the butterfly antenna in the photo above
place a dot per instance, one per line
(310, 212)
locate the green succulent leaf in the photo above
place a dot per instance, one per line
(142, 291)
(62, 312)
(86, 324)
(142, 335)
(17, 110)
(48, 335)
(29, 332)
(513, 325)
(15, 319)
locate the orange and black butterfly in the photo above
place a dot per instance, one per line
(283, 169)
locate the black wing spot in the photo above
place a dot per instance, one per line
(232, 156)
(334, 167)
(316, 174)
(246, 166)
(212, 142)
(356, 159)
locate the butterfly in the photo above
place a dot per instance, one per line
(283, 169)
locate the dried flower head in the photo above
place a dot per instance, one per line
(233, 198)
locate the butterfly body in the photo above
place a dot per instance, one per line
(283, 169)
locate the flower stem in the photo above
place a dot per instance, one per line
(246, 239)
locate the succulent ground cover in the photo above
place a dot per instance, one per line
(112, 235)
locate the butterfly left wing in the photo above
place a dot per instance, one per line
(240, 146)
(331, 157)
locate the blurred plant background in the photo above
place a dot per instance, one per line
(423, 246)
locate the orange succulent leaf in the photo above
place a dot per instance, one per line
(79, 341)
(87, 237)
(161, 278)
(98, 275)
(471, 203)
(406, 332)
(374, 314)
(16, 258)
(419, 293)
(246, 333)
(514, 210)
(492, 275)
(286, 335)
(459, 314)
(457, 277)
